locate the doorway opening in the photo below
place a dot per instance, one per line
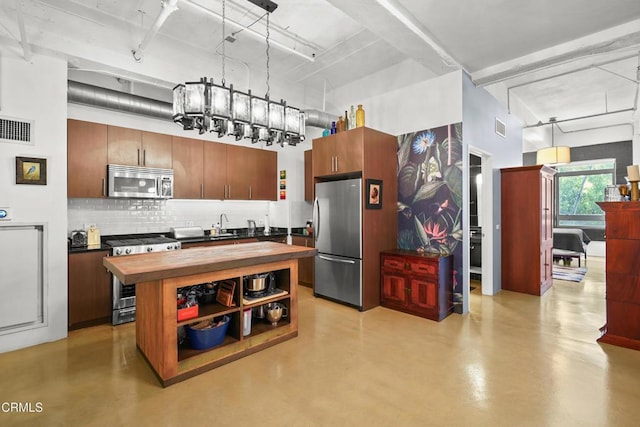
(479, 260)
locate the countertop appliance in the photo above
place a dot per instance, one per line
(78, 238)
(124, 296)
(139, 182)
(337, 216)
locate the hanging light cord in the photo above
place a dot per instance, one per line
(268, 88)
(224, 19)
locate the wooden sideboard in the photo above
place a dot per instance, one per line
(622, 234)
(417, 283)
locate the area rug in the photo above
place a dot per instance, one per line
(571, 274)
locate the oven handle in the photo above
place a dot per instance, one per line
(127, 310)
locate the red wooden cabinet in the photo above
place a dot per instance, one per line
(527, 229)
(622, 231)
(417, 283)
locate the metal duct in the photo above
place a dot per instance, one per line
(319, 119)
(95, 96)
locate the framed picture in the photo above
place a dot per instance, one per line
(374, 194)
(30, 170)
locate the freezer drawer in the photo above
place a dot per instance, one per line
(338, 278)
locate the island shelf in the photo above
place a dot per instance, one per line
(162, 274)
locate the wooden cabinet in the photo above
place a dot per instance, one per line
(89, 290)
(527, 229)
(133, 147)
(340, 153)
(305, 265)
(263, 184)
(188, 168)
(368, 154)
(215, 170)
(86, 159)
(622, 231)
(417, 283)
(308, 176)
(251, 174)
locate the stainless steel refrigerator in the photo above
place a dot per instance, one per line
(337, 218)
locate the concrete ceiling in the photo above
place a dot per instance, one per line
(559, 59)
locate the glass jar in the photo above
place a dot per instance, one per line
(360, 116)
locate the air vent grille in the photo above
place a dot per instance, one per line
(501, 128)
(16, 131)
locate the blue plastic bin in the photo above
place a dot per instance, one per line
(202, 339)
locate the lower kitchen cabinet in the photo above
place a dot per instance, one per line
(305, 265)
(89, 287)
(417, 283)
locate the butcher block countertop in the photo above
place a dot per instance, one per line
(163, 265)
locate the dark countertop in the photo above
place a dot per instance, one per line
(241, 233)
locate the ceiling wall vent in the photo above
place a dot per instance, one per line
(501, 128)
(16, 131)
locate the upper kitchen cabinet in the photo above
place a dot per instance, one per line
(188, 167)
(134, 147)
(215, 170)
(86, 159)
(251, 173)
(340, 153)
(264, 179)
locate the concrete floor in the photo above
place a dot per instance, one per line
(515, 360)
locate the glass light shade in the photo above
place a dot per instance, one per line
(276, 116)
(241, 107)
(303, 124)
(178, 101)
(194, 98)
(259, 112)
(553, 155)
(220, 102)
(292, 120)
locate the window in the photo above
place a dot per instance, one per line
(579, 185)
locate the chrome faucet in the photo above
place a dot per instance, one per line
(223, 215)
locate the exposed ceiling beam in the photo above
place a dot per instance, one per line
(26, 49)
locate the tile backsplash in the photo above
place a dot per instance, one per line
(124, 216)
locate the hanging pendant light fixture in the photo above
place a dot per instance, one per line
(553, 155)
(210, 107)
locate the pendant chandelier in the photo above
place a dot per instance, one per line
(554, 154)
(210, 107)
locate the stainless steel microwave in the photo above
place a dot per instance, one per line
(140, 183)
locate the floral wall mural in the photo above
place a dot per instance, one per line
(430, 194)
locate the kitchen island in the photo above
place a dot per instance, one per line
(158, 276)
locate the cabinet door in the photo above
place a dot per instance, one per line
(305, 265)
(394, 289)
(348, 151)
(125, 146)
(423, 294)
(264, 179)
(324, 156)
(89, 287)
(86, 159)
(215, 170)
(308, 176)
(156, 150)
(240, 163)
(187, 168)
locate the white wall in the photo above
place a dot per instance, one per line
(480, 109)
(36, 90)
(422, 105)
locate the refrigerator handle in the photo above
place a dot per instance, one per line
(316, 219)
(344, 261)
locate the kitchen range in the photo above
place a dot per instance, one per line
(124, 296)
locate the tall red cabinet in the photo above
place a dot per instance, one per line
(527, 229)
